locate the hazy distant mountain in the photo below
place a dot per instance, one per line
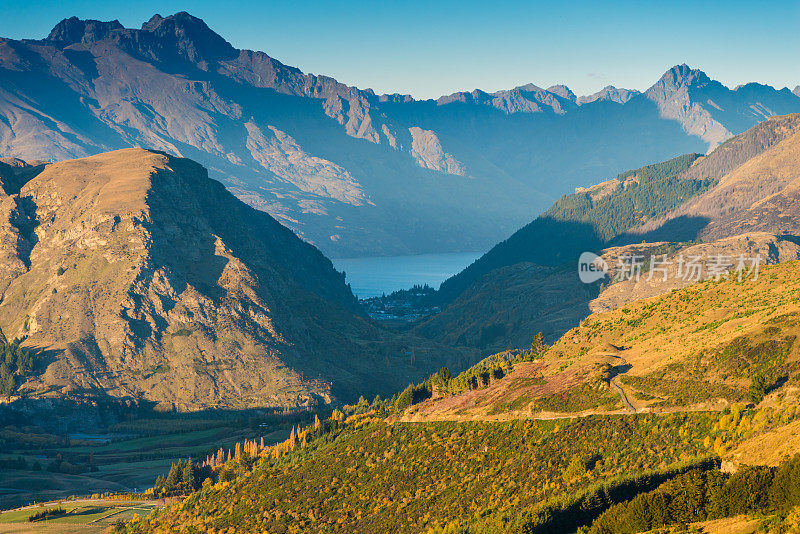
(710, 110)
(610, 93)
(524, 99)
(351, 171)
(138, 277)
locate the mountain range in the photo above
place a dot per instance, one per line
(136, 276)
(353, 172)
(166, 203)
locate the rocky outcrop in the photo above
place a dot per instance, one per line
(279, 153)
(74, 30)
(563, 91)
(428, 152)
(673, 96)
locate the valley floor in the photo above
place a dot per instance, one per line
(87, 516)
(38, 467)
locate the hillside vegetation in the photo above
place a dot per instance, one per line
(741, 199)
(540, 440)
(587, 219)
(758, 194)
(707, 345)
(632, 198)
(15, 363)
(368, 474)
(373, 477)
(700, 496)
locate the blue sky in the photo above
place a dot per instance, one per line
(432, 48)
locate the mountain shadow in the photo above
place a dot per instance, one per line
(680, 229)
(544, 241)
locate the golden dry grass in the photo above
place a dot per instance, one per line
(731, 525)
(769, 448)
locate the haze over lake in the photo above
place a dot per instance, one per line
(371, 277)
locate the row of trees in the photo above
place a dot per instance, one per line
(49, 513)
(480, 375)
(183, 478)
(58, 465)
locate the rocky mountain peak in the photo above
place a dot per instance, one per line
(682, 76)
(677, 94)
(162, 39)
(528, 88)
(797, 90)
(190, 37)
(74, 30)
(563, 91)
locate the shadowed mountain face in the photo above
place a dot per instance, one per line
(138, 277)
(353, 172)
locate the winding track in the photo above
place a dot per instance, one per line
(628, 406)
(613, 382)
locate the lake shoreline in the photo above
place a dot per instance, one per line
(376, 276)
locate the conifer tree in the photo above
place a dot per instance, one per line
(188, 477)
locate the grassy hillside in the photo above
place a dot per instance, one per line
(746, 186)
(703, 346)
(758, 194)
(508, 307)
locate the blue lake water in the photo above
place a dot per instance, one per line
(371, 277)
